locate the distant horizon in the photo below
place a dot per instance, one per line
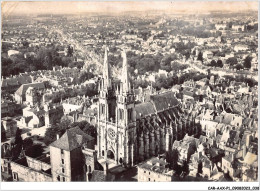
(50, 7)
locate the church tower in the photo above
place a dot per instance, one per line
(106, 106)
(125, 115)
(106, 93)
(125, 96)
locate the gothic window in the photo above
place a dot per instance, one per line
(63, 179)
(103, 153)
(62, 161)
(62, 170)
(62, 152)
(121, 114)
(102, 109)
(129, 114)
(111, 133)
(89, 168)
(15, 176)
(58, 178)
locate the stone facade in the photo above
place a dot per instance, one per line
(155, 170)
(128, 132)
(30, 170)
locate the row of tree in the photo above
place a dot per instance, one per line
(44, 59)
(150, 63)
(167, 82)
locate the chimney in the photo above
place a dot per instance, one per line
(58, 136)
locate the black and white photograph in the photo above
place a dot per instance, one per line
(130, 91)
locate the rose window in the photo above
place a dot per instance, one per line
(111, 133)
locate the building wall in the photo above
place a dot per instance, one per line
(145, 175)
(26, 174)
(36, 164)
(56, 164)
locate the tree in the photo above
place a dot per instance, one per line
(247, 62)
(219, 64)
(176, 66)
(200, 57)
(232, 61)
(213, 63)
(34, 151)
(27, 142)
(18, 137)
(59, 129)
(239, 66)
(85, 76)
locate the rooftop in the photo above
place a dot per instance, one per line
(158, 165)
(73, 138)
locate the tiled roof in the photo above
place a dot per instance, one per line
(157, 165)
(144, 109)
(23, 88)
(16, 81)
(164, 101)
(73, 138)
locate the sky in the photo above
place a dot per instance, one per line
(71, 7)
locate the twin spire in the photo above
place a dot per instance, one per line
(125, 76)
(125, 86)
(106, 71)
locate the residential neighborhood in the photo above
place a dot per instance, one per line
(142, 96)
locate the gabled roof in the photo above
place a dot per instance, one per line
(73, 138)
(164, 101)
(144, 109)
(23, 88)
(16, 81)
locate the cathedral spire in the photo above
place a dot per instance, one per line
(106, 71)
(125, 76)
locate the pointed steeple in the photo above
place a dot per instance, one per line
(106, 71)
(125, 76)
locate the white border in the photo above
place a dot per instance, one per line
(130, 185)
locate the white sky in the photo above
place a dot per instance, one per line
(79, 7)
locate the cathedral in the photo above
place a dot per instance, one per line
(130, 132)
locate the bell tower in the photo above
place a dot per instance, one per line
(125, 96)
(124, 113)
(106, 107)
(106, 93)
